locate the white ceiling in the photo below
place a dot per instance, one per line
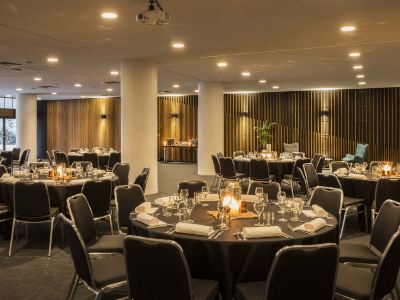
(295, 44)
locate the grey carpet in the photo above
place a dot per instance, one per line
(30, 274)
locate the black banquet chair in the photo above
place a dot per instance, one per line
(142, 178)
(98, 195)
(293, 179)
(228, 170)
(217, 170)
(115, 157)
(336, 165)
(192, 186)
(61, 158)
(237, 154)
(3, 170)
(386, 188)
(121, 170)
(8, 159)
(92, 157)
(32, 205)
(24, 157)
(15, 154)
(269, 188)
(360, 283)
(162, 272)
(127, 198)
(311, 176)
(82, 216)
(100, 275)
(259, 170)
(293, 270)
(387, 223)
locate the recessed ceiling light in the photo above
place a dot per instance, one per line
(246, 74)
(8, 96)
(354, 54)
(347, 28)
(109, 15)
(52, 59)
(358, 67)
(77, 85)
(178, 45)
(38, 98)
(109, 90)
(18, 89)
(262, 81)
(37, 78)
(176, 86)
(114, 72)
(362, 83)
(196, 90)
(275, 87)
(54, 93)
(360, 76)
(222, 64)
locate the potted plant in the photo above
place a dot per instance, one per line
(264, 134)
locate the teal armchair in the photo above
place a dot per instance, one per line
(359, 157)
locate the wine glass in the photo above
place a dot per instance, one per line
(258, 209)
(89, 168)
(205, 191)
(178, 202)
(190, 204)
(184, 193)
(282, 206)
(259, 192)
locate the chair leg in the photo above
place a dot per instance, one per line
(366, 218)
(72, 288)
(111, 224)
(51, 235)
(343, 222)
(372, 217)
(12, 237)
(26, 231)
(99, 295)
(291, 187)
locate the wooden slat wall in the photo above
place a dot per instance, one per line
(182, 128)
(78, 123)
(353, 116)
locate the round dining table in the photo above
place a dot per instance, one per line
(227, 259)
(277, 167)
(77, 156)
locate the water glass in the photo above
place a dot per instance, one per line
(184, 193)
(295, 211)
(205, 191)
(190, 204)
(258, 209)
(259, 192)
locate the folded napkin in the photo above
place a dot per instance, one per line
(163, 201)
(261, 232)
(361, 176)
(319, 211)
(341, 171)
(9, 179)
(145, 207)
(312, 226)
(150, 220)
(250, 198)
(194, 229)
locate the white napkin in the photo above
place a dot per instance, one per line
(250, 198)
(211, 197)
(163, 201)
(341, 171)
(319, 211)
(9, 179)
(150, 221)
(145, 207)
(194, 229)
(309, 213)
(361, 176)
(261, 232)
(312, 226)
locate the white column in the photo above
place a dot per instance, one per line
(26, 115)
(139, 119)
(210, 125)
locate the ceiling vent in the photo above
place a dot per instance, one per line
(47, 87)
(109, 82)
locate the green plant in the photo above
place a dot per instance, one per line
(263, 132)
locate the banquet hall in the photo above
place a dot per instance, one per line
(165, 149)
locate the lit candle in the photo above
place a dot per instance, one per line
(59, 171)
(235, 208)
(226, 201)
(165, 143)
(387, 169)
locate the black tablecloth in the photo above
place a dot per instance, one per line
(103, 159)
(277, 168)
(226, 259)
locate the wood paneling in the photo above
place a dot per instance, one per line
(182, 128)
(78, 123)
(329, 122)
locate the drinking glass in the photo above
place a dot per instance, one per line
(184, 193)
(205, 191)
(295, 210)
(398, 169)
(190, 204)
(282, 205)
(167, 207)
(223, 216)
(178, 202)
(258, 209)
(89, 169)
(259, 192)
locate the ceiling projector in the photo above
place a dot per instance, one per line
(154, 15)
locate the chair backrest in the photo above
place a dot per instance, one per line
(115, 157)
(15, 153)
(80, 257)
(290, 148)
(286, 278)
(31, 201)
(227, 167)
(219, 155)
(361, 153)
(318, 161)
(238, 154)
(374, 163)
(192, 186)
(385, 276)
(25, 156)
(142, 178)
(315, 160)
(84, 164)
(49, 157)
(39, 164)
(258, 169)
(127, 197)
(298, 154)
(336, 165)
(92, 157)
(8, 159)
(299, 164)
(320, 165)
(329, 180)
(217, 167)
(162, 263)
(82, 217)
(3, 170)
(330, 199)
(121, 170)
(269, 188)
(98, 195)
(61, 158)
(311, 175)
(386, 224)
(303, 182)
(386, 188)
